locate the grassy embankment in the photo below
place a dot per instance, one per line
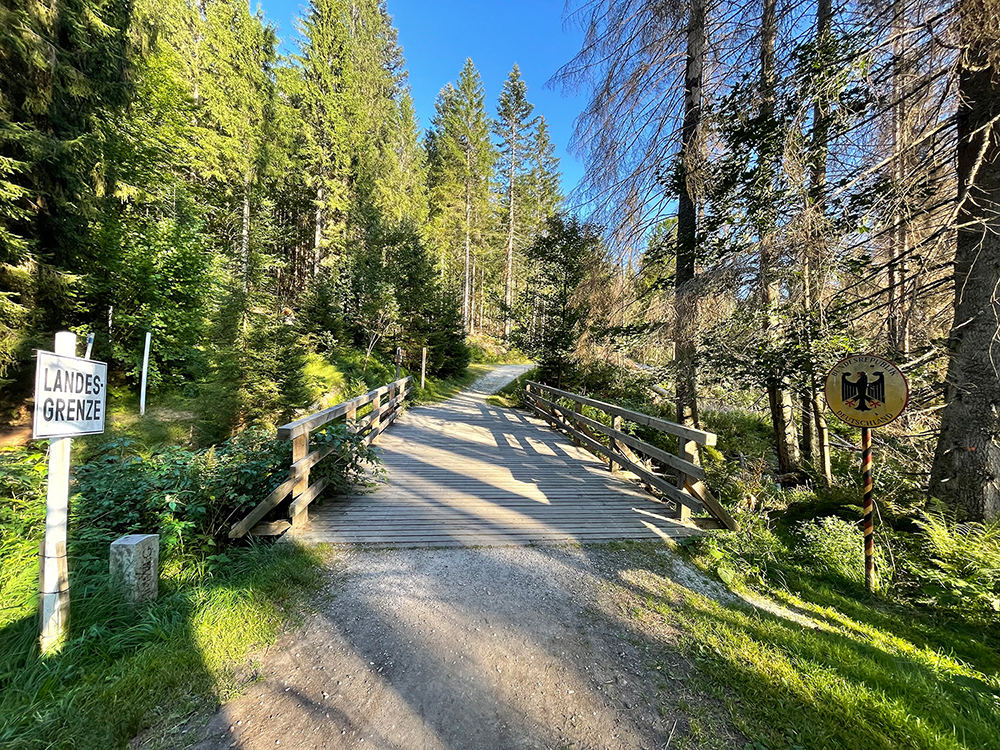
(915, 664)
(810, 663)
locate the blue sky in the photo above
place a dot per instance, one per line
(437, 36)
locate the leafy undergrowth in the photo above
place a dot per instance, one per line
(831, 667)
(122, 671)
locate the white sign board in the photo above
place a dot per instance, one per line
(70, 395)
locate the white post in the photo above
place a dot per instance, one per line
(145, 367)
(90, 345)
(53, 573)
(423, 368)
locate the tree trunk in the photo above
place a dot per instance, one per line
(685, 301)
(814, 426)
(508, 271)
(245, 241)
(898, 318)
(472, 300)
(779, 398)
(318, 237)
(466, 293)
(966, 469)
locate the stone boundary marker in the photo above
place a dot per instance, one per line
(135, 565)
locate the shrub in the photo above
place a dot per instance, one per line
(959, 567)
(835, 547)
(189, 497)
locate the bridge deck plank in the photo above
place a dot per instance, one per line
(468, 473)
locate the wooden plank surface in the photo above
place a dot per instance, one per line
(468, 473)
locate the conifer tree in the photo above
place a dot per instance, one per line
(544, 179)
(513, 127)
(237, 92)
(328, 72)
(461, 172)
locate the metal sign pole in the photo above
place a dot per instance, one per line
(867, 507)
(53, 571)
(145, 369)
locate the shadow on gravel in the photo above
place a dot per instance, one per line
(491, 648)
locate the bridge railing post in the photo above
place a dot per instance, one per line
(616, 425)
(300, 449)
(376, 416)
(298, 486)
(618, 447)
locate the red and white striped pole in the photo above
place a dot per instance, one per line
(867, 508)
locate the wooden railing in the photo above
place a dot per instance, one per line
(688, 489)
(386, 404)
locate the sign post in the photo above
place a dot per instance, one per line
(145, 369)
(867, 391)
(70, 397)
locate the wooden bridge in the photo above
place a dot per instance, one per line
(466, 472)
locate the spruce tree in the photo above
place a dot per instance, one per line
(513, 128)
(461, 174)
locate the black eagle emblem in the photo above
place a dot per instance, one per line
(861, 393)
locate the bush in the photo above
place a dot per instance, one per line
(834, 547)
(22, 521)
(959, 567)
(190, 497)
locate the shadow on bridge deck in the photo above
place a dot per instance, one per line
(465, 472)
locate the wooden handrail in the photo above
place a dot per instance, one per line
(297, 485)
(309, 423)
(698, 436)
(690, 492)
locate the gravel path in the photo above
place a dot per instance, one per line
(480, 649)
(497, 378)
(485, 649)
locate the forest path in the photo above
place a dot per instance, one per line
(490, 647)
(467, 473)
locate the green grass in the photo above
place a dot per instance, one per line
(123, 672)
(512, 394)
(443, 389)
(839, 669)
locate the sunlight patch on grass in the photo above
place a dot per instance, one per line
(877, 678)
(122, 673)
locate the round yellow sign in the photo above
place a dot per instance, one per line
(866, 391)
